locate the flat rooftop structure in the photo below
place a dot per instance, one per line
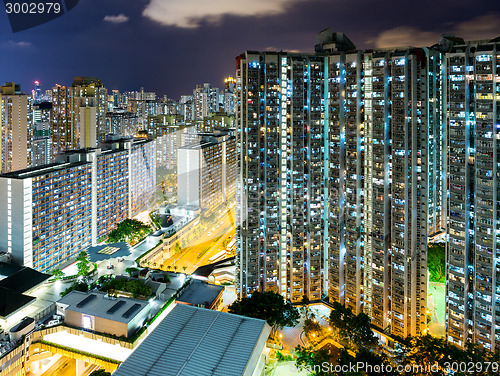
(199, 293)
(40, 170)
(17, 280)
(199, 145)
(199, 342)
(12, 301)
(97, 304)
(23, 279)
(97, 253)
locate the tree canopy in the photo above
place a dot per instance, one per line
(355, 329)
(135, 286)
(268, 306)
(436, 262)
(130, 230)
(100, 372)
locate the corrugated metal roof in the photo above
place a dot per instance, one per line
(196, 341)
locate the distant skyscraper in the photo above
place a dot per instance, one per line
(229, 99)
(68, 113)
(206, 170)
(37, 93)
(205, 101)
(17, 128)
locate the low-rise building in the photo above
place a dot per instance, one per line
(98, 312)
(202, 294)
(198, 341)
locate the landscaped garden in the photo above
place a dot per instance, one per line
(131, 231)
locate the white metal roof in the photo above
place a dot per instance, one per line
(198, 342)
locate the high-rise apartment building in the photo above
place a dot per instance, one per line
(473, 258)
(120, 122)
(341, 176)
(64, 135)
(206, 170)
(51, 213)
(281, 145)
(16, 128)
(41, 150)
(90, 107)
(205, 101)
(229, 96)
(167, 130)
(142, 175)
(78, 114)
(46, 214)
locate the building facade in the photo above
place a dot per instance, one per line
(142, 166)
(78, 114)
(52, 212)
(338, 152)
(473, 262)
(206, 170)
(16, 128)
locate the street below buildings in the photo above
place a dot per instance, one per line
(199, 249)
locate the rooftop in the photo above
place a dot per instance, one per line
(12, 301)
(99, 305)
(200, 293)
(39, 170)
(198, 341)
(17, 280)
(23, 279)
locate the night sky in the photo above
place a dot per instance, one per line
(169, 46)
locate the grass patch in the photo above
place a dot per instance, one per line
(84, 353)
(436, 262)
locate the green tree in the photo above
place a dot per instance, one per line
(432, 350)
(76, 286)
(305, 305)
(57, 273)
(436, 262)
(312, 360)
(100, 372)
(177, 248)
(312, 326)
(268, 306)
(354, 328)
(83, 264)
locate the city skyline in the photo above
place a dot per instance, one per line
(189, 187)
(158, 41)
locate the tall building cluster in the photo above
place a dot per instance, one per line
(16, 128)
(51, 213)
(351, 161)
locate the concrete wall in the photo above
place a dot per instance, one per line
(16, 220)
(98, 324)
(188, 176)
